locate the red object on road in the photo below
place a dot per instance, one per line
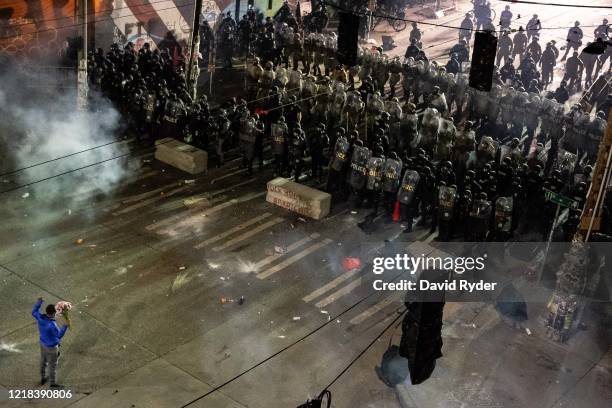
(396, 212)
(349, 263)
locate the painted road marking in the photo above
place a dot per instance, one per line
(213, 193)
(142, 196)
(151, 200)
(249, 234)
(326, 288)
(234, 230)
(395, 297)
(293, 259)
(341, 292)
(431, 237)
(269, 259)
(233, 173)
(191, 214)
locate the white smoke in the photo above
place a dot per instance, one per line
(41, 124)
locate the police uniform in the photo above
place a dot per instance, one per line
(280, 133)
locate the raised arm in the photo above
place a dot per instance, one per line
(36, 309)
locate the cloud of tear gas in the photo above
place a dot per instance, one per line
(41, 123)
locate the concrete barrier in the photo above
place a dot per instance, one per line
(298, 198)
(181, 155)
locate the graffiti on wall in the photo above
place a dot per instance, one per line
(43, 26)
(35, 26)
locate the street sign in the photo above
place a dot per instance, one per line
(560, 199)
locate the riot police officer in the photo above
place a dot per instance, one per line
(374, 181)
(408, 196)
(280, 133)
(479, 219)
(247, 136)
(338, 162)
(298, 149)
(319, 144)
(445, 208)
(358, 171)
(392, 173)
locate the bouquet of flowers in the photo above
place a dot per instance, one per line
(63, 307)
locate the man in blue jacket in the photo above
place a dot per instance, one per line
(50, 336)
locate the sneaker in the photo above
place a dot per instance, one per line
(54, 385)
(43, 380)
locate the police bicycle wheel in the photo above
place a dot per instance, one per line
(398, 25)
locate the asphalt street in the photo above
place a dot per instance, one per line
(194, 291)
(156, 264)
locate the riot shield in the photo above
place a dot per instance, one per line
(503, 214)
(279, 132)
(359, 162)
(446, 202)
(375, 173)
(391, 175)
(481, 209)
(407, 189)
(340, 154)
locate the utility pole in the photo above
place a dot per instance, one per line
(237, 12)
(193, 70)
(568, 299)
(591, 214)
(82, 82)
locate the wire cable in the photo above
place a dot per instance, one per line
(90, 22)
(121, 140)
(573, 5)
(61, 157)
(388, 17)
(366, 349)
(74, 170)
(109, 159)
(304, 337)
(91, 14)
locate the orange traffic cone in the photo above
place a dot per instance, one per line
(396, 212)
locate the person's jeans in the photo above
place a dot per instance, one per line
(48, 355)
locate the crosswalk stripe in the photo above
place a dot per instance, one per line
(293, 259)
(269, 259)
(431, 237)
(228, 175)
(323, 289)
(395, 297)
(341, 292)
(147, 194)
(187, 216)
(234, 230)
(209, 194)
(233, 173)
(151, 200)
(249, 234)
